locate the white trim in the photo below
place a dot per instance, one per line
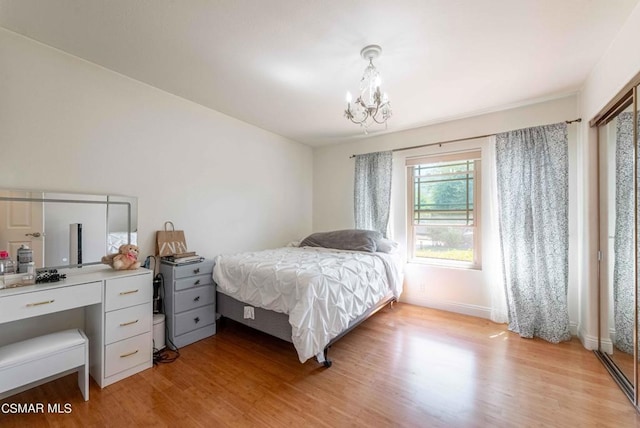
(591, 342)
(444, 263)
(588, 342)
(444, 157)
(455, 307)
(474, 155)
(573, 328)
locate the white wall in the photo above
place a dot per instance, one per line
(615, 69)
(69, 125)
(459, 290)
(333, 180)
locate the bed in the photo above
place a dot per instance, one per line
(311, 294)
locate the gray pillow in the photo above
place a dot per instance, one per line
(350, 239)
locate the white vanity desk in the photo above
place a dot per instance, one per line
(112, 307)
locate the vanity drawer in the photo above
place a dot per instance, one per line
(205, 267)
(130, 291)
(194, 298)
(128, 353)
(127, 322)
(31, 304)
(193, 281)
(196, 318)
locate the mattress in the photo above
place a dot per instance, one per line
(321, 290)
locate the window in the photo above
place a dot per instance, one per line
(444, 209)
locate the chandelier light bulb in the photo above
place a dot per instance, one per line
(349, 97)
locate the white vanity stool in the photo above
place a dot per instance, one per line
(32, 362)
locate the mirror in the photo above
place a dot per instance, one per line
(619, 246)
(65, 229)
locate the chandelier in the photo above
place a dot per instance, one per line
(371, 106)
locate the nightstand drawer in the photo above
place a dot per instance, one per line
(130, 291)
(194, 298)
(194, 319)
(193, 281)
(128, 322)
(205, 267)
(128, 353)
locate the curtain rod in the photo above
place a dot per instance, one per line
(458, 140)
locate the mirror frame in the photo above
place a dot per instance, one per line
(107, 202)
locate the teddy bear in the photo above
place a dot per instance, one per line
(126, 259)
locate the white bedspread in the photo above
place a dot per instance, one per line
(321, 290)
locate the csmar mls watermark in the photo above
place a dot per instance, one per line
(15, 408)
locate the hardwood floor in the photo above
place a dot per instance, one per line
(406, 366)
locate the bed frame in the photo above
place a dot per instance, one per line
(277, 324)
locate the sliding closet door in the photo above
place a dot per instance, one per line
(619, 226)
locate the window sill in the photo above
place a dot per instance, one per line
(445, 264)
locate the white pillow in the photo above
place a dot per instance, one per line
(387, 246)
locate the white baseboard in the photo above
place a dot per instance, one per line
(472, 310)
(591, 342)
(459, 308)
(573, 328)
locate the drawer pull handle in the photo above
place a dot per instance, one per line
(129, 354)
(196, 299)
(196, 271)
(197, 319)
(122, 293)
(122, 324)
(46, 302)
(197, 282)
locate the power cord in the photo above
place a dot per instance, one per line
(171, 352)
(147, 263)
(166, 355)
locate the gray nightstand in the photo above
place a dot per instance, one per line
(190, 301)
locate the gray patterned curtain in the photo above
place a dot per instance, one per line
(372, 191)
(532, 171)
(623, 280)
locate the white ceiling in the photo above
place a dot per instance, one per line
(285, 65)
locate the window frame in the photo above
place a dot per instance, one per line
(467, 155)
